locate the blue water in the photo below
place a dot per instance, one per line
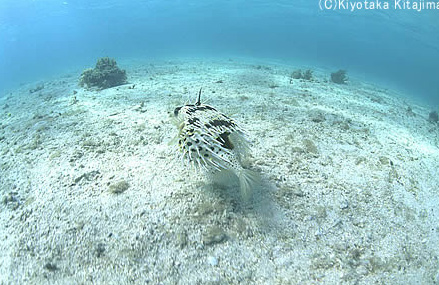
(398, 49)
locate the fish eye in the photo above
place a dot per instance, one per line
(176, 111)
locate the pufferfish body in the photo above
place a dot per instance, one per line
(213, 142)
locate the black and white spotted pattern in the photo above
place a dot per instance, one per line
(208, 139)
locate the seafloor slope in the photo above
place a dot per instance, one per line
(90, 190)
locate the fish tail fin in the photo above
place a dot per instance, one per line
(248, 182)
(174, 140)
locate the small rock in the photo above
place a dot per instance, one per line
(100, 249)
(297, 149)
(384, 160)
(298, 192)
(310, 147)
(212, 260)
(11, 200)
(433, 117)
(182, 239)
(214, 235)
(297, 74)
(344, 205)
(289, 191)
(50, 266)
(362, 270)
(38, 88)
(119, 187)
(89, 176)
(317, 116)
(320, 212)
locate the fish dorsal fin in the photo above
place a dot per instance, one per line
(198, 103)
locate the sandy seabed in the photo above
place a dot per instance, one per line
(91, 191)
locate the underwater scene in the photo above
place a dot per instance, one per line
(219, 142)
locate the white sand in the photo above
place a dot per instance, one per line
(350, 188)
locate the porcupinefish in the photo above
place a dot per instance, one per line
(213, 143)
